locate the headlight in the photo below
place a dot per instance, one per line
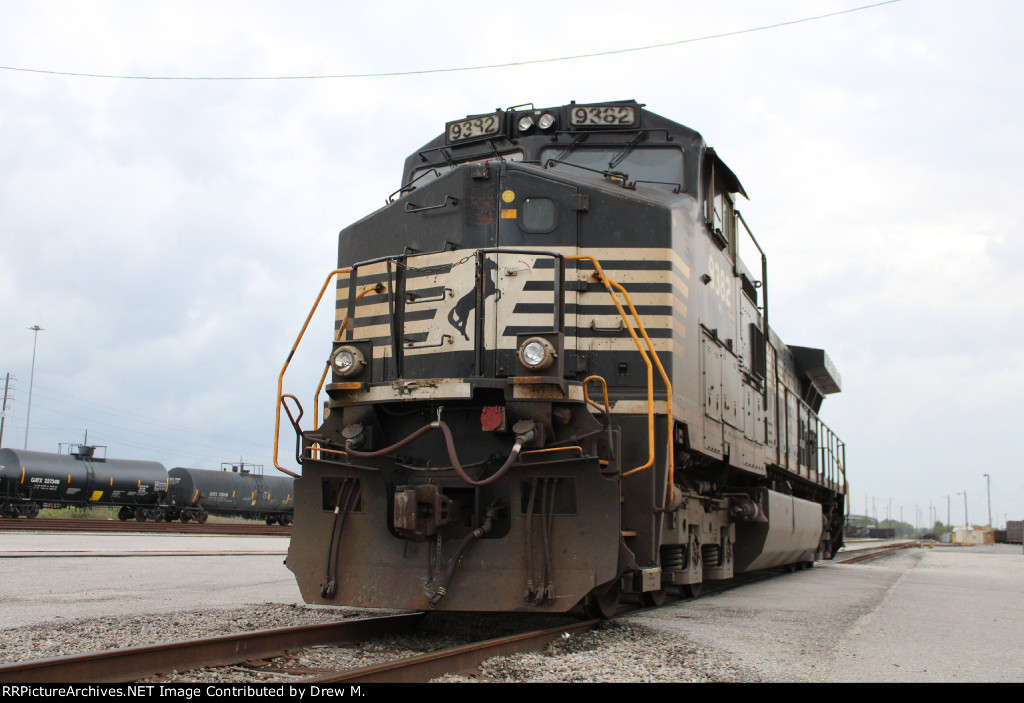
(347, 361)
(546, 121)
(536, 353)
(525, 122)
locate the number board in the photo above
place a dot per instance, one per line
(602, 116)
(473, 127)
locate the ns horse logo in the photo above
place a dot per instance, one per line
(460, 314)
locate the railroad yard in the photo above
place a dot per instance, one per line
(938, 613)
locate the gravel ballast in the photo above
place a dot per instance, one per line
(618, 651)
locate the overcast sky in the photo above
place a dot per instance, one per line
(170, 235)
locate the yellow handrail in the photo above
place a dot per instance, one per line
(668, 395)
(599, 272)
(280, 378)
(607, 410)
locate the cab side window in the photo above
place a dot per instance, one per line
(719, 211)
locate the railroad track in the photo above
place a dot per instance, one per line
(853, 556)
(209, 528)
(134, 664)
(250, 650)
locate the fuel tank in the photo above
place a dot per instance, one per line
(790, 533)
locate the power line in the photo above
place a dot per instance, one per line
(454, 70)
(130, 415)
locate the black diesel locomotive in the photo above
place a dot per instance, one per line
(143, 490)
(553, 381)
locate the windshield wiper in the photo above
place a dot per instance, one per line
(619, 157)
(571, 147)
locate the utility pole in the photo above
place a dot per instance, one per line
(28, 413)
(3, 415)
(988, 490)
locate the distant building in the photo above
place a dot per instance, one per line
(974, 535)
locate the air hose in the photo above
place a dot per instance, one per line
(449, 573)
(521, 439)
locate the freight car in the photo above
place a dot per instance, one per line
(143, 490)
(1014, 531)
(194, 494)
(30, 480)
(553, 381)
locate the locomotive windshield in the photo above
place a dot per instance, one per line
(430, 173)
(663, 166)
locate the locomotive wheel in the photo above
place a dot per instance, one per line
(8, 510)
(603, 601)
(185, 517)
(286, 519)
(691, 590)
(31, 510)
(653, 599)
(201, 518)
(271, 521)
(140, 514)
(124, 513)
(158, 516)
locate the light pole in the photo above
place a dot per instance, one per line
(967, 523)
(28, 413)
(988, 490)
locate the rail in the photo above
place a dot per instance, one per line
(134, 663)
(99, 525)
(139, 663)
(457, 660)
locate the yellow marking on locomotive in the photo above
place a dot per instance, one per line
(508, 196)
(96, 495)
(23, 474)
(195, 495)
(509, 213)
